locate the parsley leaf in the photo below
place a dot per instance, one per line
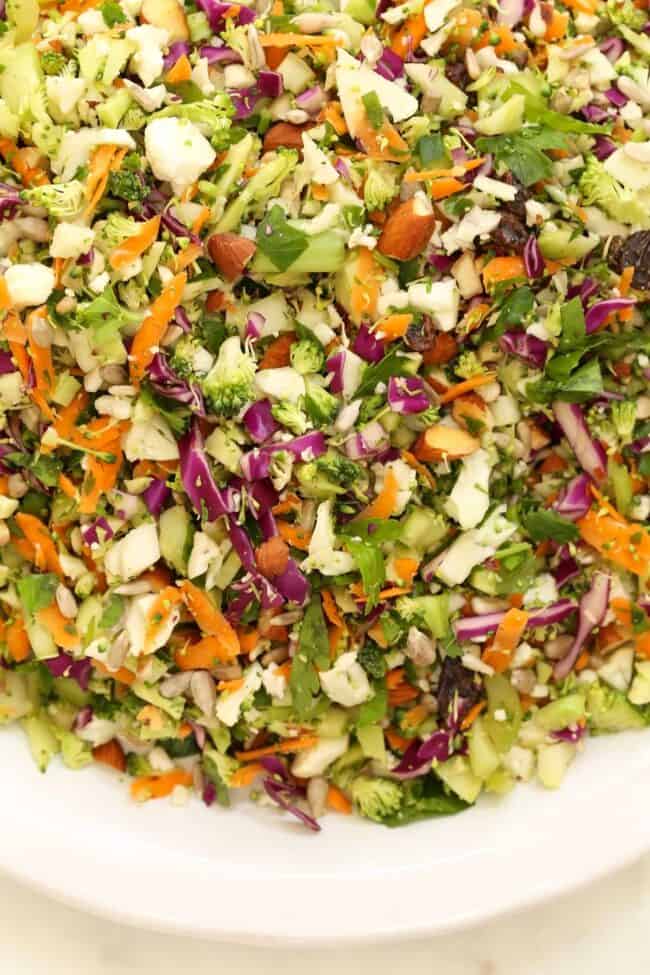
(515, 308)
(572, 319)
(524, 153)
(392, 364)
(423, 798)
(37, 591)
(112, 13)
(370, 560)
(105, 316)
(313, 649)
(279, 241)
(545, 524)
(373, 108)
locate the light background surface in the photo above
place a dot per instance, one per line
(595, 931)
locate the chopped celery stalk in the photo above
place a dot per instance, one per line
(324, 254)
(503, 717)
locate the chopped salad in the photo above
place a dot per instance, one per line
(324, 383)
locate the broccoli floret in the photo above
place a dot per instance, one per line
(307, 356)
(134, 119)
(61, 200)
(127, 185)
(116, 230)
(52, 62)
(261, 187)
(432, 612)
(626, 13)
(377, 798)
(370, 407)
(291, 416)
(372, 659)
(381, 185)
(338, 468)
(112, 13)
(624, 418)
(320, 405)
(229, 384)
(211, 117)
(190, 359)
(468, 365)
(599, 188)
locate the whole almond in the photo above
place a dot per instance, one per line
(408, 229)
(231, 253)
(283, 135)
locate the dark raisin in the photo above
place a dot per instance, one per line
(516, 207)
(459, 689)
(458, 74)
(633, 252)
(420, 335)
(510, 236)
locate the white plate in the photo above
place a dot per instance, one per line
(250, 875)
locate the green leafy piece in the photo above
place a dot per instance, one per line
(432, 151)
(112, 13)
(376, 707)
(516, 306)
(47, 469)
(582, 384)
(392, 364)
(105, 315)
(423, 798)
(338, 468)
(545, 524)
(372, 659)
(112, 613)
(313, 650)
(279, 241)
(373, 108)
(211, 772)
(36, 591)
(572, 320)
(372, 567)
(523, 154)
(127, 185)
(557, 122)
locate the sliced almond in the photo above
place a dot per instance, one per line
(167, 14)
(283, 135)
(408, 229)
(471, 413)
(440, 442)
(231, 253)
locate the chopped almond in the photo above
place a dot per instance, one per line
(231, 253)
(471, 412)
(440, 442)
(272, 557)
(283, 135)
(408, 229)
(167, 14)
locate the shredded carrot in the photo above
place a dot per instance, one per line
(200, 219)
(248, 640)
(403, 695)
(330, 608)
(45, 553)
(334, 637)
(159, 786)
(625, 544)
(278, 352)
(605, 504)
(407, 39)
(406, 569)
(467, 385)
(423, 471)
(557, 27)
(299, 40)
(396, 741)
(506, 639)
(395, 677)
(415, 716)
(294, 535)
(503, 269)
(99, 169)
(393, 327)
(440, 189)
(101, 477)
(179, 72)
(338, 801)
(62, 630)
(365, 287)
(415, 176)
(211, 620)
(131, 248)
(152, 329)
(17, 640)
(111, 754)
(121, 675)
(189, 255)
(472, 715)
(384, 144)
(244, 776)
(332, 114)
(384, 504)
(287, 746)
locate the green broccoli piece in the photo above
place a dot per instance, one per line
(377, 798)
(52, 62)
(190, 359)
(315, 484)
(432, 612)
(291, 416)
(61, 200)
(602, 190)
(321, 406)
(212, 117)
(116, 230)
(624, 418)
(625, 13)
(468, 365)
(381, 185)
(370, 407)
(307, 356)
(261, 187)
(127, 185)
(338, 468)
(372, 659)
(229, 384)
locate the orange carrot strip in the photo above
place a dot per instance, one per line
(503, 269)
(440, 189)
(396, 741)
(45, 553)
(152, 329)
(288, 746)
(131, 248)
(111, 754)
(187, 256)
(211, 620)
(17, 640)
(364, 293)
(159, 786)
(384, 504)
(394, 677)
(415, 716)
(62, 630)
(414, 176)
(423, 471)
(101, 477)
(161, 611)
(472, 715)
(617, 541)
(179, 72)
(467, 386)
(330, 608)
(338, 801)
(230, 685)
(393, 327)
(5, 300)
(202, 655)
(408, 38)
(506, 639)
(244, 776)
(294, 535)
(406, 569)
(332, 114)
(248, 640)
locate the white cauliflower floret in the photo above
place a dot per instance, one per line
(347, 682)
(29, 284)
(147, 62)
(470, 498)
(64, 92)
(322, 555)
(150, 438)
(133, 554)
(314, 761)
(177, 152)
(230, 702)
(275, 683)
(472, 548)
(71, 240)
(475, 223)
(542, 592)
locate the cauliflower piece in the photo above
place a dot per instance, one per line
(475, 223)
(147, 62)
(150, 438)
(316, 163)
(71, 240)
(284, 383)
(230, 703)
(275, 684)
(542, 592)
(322, 555)
(473, 547)
(470, 497)
(29, 284)
(137, 551)
(192, 153)
(64, 92)
(314, 761)
(346, 682)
